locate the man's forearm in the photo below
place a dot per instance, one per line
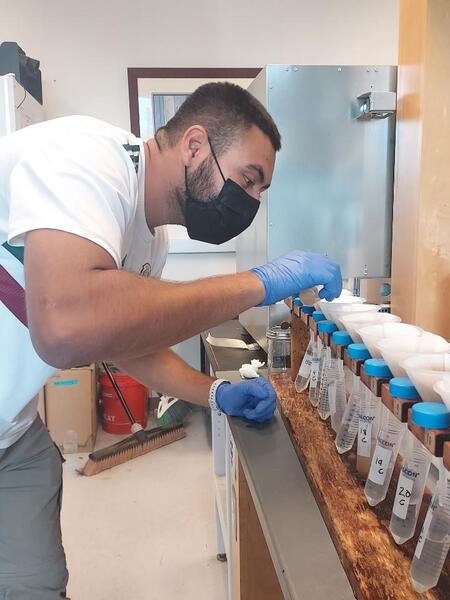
(167, 373)
(117, 315)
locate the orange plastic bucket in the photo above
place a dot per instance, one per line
(115, 419)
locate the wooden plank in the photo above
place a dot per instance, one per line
(376, 567)
(421, 217)
(258, 578)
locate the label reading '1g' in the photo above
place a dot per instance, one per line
(380, 464)
(364, 438)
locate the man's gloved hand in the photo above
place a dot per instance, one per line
(290, 274)
(253, 399)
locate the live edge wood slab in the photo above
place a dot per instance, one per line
(376, 567)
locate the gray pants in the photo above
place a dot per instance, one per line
(32, 559)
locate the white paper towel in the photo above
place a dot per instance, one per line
(230, 343)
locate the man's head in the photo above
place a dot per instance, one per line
(220, 133)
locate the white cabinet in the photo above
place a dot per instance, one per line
(18, 108)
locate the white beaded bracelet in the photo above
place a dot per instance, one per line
(212, 394)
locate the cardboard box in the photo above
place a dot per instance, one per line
(71, 405)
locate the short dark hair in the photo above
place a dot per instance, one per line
(224, 109)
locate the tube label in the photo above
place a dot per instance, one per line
(380, 464)
(403, 496)
(364, 436)
(305, 367)
(314, 372)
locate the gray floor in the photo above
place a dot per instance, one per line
(144, 530)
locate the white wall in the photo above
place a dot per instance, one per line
(182, 267)
(86, 46)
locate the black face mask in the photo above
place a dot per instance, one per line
(221, 218)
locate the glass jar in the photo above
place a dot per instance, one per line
(279, 350)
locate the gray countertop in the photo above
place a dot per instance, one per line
(302, 551)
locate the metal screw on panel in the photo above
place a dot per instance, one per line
(270, 224)
(367, 69)
(339, 69)
(366, 270)
(295, 68)
(376, 70)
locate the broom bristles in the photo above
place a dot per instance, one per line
(130, 448)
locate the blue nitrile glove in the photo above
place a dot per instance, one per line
(290, 274)
(253, 399)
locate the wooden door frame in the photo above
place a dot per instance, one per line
(135, 73)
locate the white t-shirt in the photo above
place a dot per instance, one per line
(79, 175)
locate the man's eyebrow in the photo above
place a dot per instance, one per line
(258, 169)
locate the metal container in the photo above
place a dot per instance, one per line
(333, 182)
(278, 350)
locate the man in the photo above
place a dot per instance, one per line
(82, 210)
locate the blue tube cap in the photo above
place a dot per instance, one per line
(308, 310)
(341, 338)
(298, 302)
(358, 352)
(402, 387)
(377, 367)
(431, 415)
(326, 326)
(318, 316)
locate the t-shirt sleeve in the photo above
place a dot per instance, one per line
(87, 191)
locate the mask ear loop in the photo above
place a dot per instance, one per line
(215, 158)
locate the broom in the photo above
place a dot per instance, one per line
(141, 442)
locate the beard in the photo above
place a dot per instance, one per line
(200, 184)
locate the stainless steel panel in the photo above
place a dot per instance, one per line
(332, 188)
(333, 182)
(301, 548)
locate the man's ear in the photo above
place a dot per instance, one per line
(194, 146)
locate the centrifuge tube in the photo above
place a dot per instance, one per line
(326, 378)
(386, 450)
(337, 396)
(349, 427)
(410, 489)
(434, 541)
(304, 372)
(368, 422)
(314, 380)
